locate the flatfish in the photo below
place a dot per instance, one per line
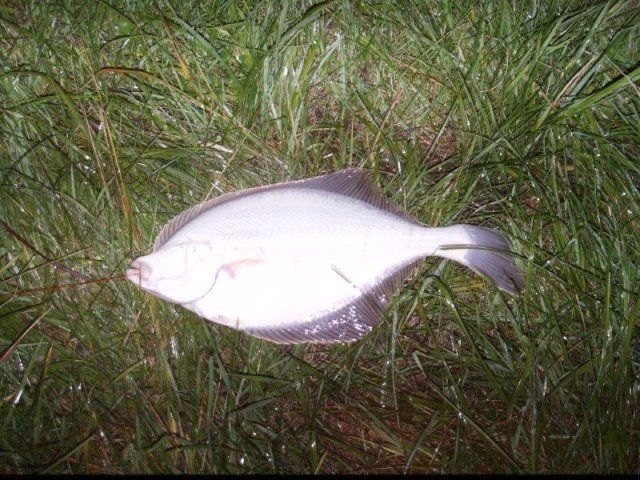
(314, 260)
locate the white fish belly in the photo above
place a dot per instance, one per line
(288, 291)
(296, 256)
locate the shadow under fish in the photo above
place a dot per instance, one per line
(314, 260)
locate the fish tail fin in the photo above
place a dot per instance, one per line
(483, 250)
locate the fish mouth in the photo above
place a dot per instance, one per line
(133, 274)
(138, 272)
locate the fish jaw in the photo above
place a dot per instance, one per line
(138, 272)
(179, 273)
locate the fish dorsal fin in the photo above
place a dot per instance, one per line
(355, 183)
(351, 182)
(348, 323)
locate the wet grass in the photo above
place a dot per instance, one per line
(115, 117)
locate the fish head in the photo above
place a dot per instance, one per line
(180, 273)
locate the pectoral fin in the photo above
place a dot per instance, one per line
(233, 268)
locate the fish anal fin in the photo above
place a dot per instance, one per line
(349, 323)
(355, 183)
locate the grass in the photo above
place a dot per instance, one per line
(524, 116)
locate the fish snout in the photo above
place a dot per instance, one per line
(139, 271)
